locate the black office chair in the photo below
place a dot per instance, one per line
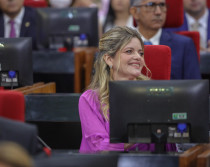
(21, 133)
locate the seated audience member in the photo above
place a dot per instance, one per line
(21, 133)
(13, 155)
(17, 20)
(118, 15)
(121, 57)
(150, 16)
(103, 6)
(197, 18)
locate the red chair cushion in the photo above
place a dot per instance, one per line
(35, 3)
(158, 60)
(195, 37)
(175, 13)
(12, 105)
(208, 3)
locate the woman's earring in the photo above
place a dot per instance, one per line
(110, 66)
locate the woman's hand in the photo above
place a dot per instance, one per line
(128, 145)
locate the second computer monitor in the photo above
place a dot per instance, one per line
(59, 28)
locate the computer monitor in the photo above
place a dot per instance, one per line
(16, 62)
(159, 111)
(67, 27)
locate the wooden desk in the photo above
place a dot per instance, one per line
(39, 87)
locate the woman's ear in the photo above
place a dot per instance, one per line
(109, 60)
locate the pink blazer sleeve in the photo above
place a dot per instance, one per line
(95, 129)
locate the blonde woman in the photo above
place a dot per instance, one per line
(120, 57)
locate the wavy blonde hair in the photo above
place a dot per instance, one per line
(111, 42)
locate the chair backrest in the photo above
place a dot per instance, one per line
(175, 13)
(195, 36)
(35, 3)
(208, 3)
(158, 60)
(12, 105)
(21, 133)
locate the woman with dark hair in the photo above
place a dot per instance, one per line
(118, 15)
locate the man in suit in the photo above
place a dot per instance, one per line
(150, 16)
(21, 133)
(197, 18)
(22, 18)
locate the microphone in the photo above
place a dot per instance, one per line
(11, 75)
(46, 148)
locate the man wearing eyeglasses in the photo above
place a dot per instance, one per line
(150, 16)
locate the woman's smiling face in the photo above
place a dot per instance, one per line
(128, 62)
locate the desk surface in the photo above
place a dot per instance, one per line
(112, 159)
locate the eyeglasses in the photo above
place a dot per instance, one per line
(151, 6)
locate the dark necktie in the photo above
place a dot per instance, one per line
(12, 29)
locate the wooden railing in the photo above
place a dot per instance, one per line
(39, 87)
(197, 156)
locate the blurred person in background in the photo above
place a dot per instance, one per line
(17, 20)
(13, 155)
(103, 6)
(196, 18)
(118, 15)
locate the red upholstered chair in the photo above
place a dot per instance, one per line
(158, 60)
(208, 3)
(175, 18)
(35, 3)
(175, 12)
(196, 39)
(12, 105)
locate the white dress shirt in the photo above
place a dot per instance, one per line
(18, 21)
(155, 40)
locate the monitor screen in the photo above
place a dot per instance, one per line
(16, 62)
(176, 110)
(67, 27)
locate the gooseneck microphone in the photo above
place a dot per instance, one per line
(46, 148)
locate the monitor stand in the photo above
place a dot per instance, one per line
(160, 140)
(145, 134)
